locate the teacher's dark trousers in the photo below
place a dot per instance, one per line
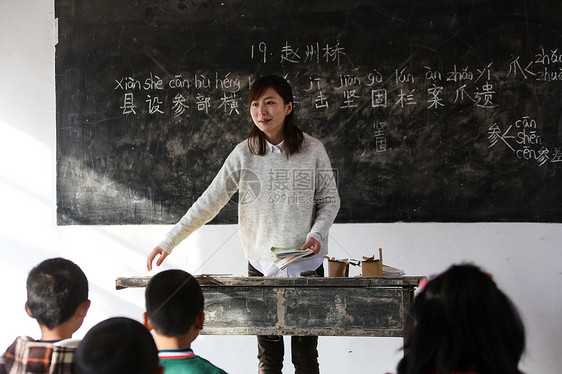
(271, 349)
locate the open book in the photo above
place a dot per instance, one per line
(287, 255)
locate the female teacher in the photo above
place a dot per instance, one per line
(287, 198)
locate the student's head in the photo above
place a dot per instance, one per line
(174, 302)
(117, 345)
(56, 288)
(462, 322)
(293, 136)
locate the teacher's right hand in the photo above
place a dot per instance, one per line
(155, 252)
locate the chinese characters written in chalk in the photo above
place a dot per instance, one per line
(292, 54)
(153, 89)
(523, 139)
(406, 88)
(352, 90)
(427, 88)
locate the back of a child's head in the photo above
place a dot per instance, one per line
(55, 289)
(173, 301)
(461, 321)
(117, 345)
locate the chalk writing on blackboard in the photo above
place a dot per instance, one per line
(346, 90)
(311, 53)
(523, 139)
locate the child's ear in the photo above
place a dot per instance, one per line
(83, 308)
(200, 320)
(146, 322)
(28, 310)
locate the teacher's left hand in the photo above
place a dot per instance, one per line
(312, 244)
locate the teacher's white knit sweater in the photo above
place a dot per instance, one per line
(282, 201)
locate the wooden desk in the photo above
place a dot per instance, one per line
(302, 306)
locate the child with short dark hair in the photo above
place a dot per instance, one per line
(174, 310)
(57, 297)
(118, 345)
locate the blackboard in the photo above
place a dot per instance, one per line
(431, 111)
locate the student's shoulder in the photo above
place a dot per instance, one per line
(191, 365)
(25, 350)
(28, 340)
(21, 341)
(11, 348)
(68, 343)
(207, 367)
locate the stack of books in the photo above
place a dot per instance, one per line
(287, 255)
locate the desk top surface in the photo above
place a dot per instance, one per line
(224, 281)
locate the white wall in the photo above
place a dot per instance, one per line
(525, 259)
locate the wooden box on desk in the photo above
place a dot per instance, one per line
(371, 267)
(338, 268)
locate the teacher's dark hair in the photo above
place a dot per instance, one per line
(462, 322)
(293, 136)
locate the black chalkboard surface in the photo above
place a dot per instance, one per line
(438, 110)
